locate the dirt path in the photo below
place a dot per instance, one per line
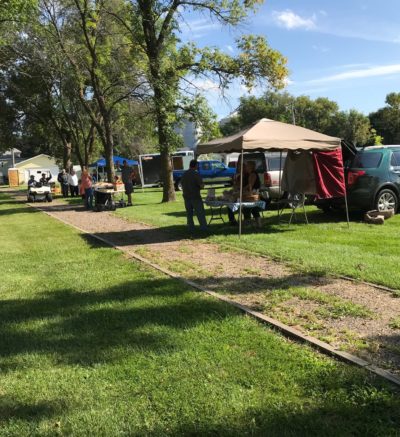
(352, 316)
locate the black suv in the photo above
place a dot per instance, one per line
(372, 180)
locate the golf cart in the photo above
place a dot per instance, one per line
(39, 193)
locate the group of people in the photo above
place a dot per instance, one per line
(69, 182)
(128, 179)
(42, 182)
(192, 184)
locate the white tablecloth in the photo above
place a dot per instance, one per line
(234, 206)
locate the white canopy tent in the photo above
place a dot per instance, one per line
(270, 135)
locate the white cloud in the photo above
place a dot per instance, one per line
(289, 20)
(360, 73)
(198, 28)
(230, 48)
(319, 48)
(205, 84)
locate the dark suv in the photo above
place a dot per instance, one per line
(373, 178)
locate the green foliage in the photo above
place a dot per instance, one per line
(386, 120)
(154, 30)
(321, 115)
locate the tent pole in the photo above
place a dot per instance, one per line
(347, 206)
(280, 180)
(241, 194)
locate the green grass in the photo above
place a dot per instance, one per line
(326, 245)
(92, 344)
(395, 323)
(330, 306)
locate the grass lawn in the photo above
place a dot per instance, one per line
(93, 344)
(326, 245)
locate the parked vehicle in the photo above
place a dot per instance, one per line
(39, 193)
(150, 166)
(372, 179)
(269, 166)
(212, 172)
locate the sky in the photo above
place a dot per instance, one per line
(346, 50)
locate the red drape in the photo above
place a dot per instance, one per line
(329, 173)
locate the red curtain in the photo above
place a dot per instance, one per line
(329, 173)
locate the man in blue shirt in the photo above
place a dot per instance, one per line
(191, 185)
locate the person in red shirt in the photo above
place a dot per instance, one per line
(87, 185)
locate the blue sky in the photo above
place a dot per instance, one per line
(348, 51)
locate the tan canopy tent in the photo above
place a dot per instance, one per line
(269, 135)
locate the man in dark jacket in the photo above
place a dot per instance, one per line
(191, 185)
(63, 180)
(44, 180)
(127, 178)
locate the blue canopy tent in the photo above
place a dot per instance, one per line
(117, 160)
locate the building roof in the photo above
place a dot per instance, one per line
(34, 157)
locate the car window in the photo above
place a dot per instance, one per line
(218, 166)
(259, 161)
(206, 166)
(395, 160)
(275, 164)
(367, 160)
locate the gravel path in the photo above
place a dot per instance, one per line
(257, 282)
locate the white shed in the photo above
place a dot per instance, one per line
(36, 166)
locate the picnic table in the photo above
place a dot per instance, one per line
(217, 205)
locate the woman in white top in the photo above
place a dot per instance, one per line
(73, 183)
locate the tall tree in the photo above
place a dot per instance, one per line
(155, 26)
(386, 121)
(94, 45)
(40, 90)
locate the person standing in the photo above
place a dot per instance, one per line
(87, 185)
(73, 183)
(127, 176)
(191, 185)
(63, 180)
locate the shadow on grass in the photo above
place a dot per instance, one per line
(172, 233)
(100, 326)
(370, 418)
(11, 409)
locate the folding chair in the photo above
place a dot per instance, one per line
(294, 201)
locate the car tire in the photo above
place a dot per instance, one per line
(49, 198)
(386, 199)
(31, 199)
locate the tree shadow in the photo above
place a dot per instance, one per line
(12, 409)
(100, 326)
(339, 418)
(13, 211)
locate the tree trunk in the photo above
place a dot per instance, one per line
(109, 151)
(166, 167)
(67, 163)
(167, 179)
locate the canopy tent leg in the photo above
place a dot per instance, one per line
(347, 208)
(241, 193)
(280, 184)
